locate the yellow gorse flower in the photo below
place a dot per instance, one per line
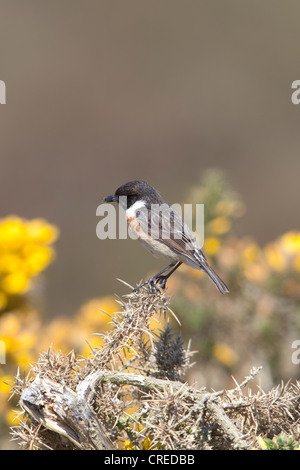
(24, 252)
(40, 231)
(262, 443)
(220, 225)
(212, 245)
(15, 283)
(225, 354)
(284, 253)
(251, 252)
(146, 444)
(290, 242)
(128, 445)
(275, 257)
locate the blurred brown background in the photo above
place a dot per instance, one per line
(102, 92)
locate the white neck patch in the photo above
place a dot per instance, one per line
(131, 211)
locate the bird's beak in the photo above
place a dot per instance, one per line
(111, 198)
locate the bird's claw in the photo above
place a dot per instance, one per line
(157, 283)
(161, 281)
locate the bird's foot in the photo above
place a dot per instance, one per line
(155, 283)
(161, 281)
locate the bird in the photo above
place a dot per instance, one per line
(162, 231)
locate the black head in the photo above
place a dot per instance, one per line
(136, 191)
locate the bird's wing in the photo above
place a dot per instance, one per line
(168, 227)
(163, 223)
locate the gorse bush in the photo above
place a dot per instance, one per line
(129, 393)
(259, 320)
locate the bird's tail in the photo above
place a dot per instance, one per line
(215, 278)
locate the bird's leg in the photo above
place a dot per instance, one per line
(161, 280)
(153, 280)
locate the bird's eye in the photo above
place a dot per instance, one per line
(137, 213)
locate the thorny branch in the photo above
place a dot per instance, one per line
(132, 389)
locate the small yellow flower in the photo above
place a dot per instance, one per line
(224, 208)
(40, 231)
(212, 245)
(12, 233)
(128, 445)
(9, 262)
(146, 444)
(38, 259)
(275, 258)
(230, 208)
(220, 225)
(225, 354)
(290, 242)
(15, 283)
(251, 252)
(261, 442)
